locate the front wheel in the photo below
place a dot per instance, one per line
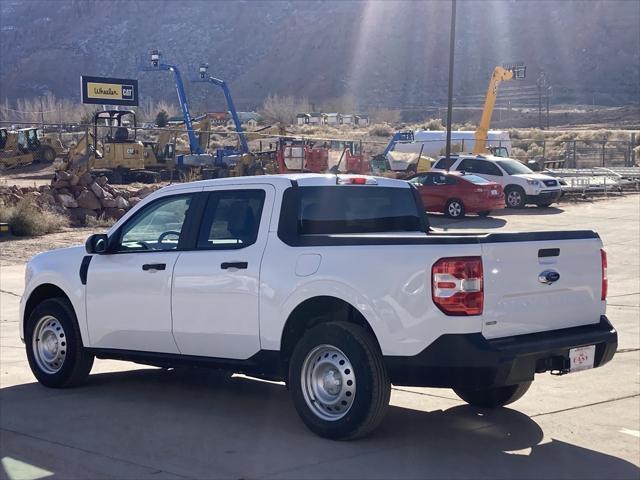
(54, 347)
(493, 397)
(338, 381)
(46, 154)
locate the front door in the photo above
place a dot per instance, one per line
(215, 297)
(128, 294)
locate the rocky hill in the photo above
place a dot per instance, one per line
(387, 54)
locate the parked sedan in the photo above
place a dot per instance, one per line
(455, 194)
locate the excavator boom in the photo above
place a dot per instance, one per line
(499, 75)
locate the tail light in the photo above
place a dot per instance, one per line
(605, 280)
(457, 285)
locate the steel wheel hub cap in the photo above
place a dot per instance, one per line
(454, 209)
(514, 198)
(328, 382)
(49, 344)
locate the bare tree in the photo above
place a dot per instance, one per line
(277, 109)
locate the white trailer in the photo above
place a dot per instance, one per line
(433, 142)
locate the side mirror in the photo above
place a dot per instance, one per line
(97, 243)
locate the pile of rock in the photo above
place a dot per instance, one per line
(78, 197)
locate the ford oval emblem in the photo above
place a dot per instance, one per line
(549, 277)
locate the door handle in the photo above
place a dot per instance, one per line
(154, 266)
(225, 265)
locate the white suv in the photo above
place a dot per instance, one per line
(521, 185)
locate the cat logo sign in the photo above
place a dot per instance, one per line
(109, 91)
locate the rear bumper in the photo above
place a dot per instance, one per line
(472, 361)
(485, 204)
(545, 196)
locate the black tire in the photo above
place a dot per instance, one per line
(115, 177)
(147, 176)
(514, 197)
(493, 397)
(77, 361)
(454, 208)
(46, 154)
(223, 172)
(484, 213)
(371, 385)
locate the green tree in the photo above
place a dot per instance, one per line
(162, 118)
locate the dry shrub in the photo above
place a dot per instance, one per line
(519, 154)
(434, 124)
(25, 219)
(99, 222)
(381, 130)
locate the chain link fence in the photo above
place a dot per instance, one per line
(548, 153)
(576, 153)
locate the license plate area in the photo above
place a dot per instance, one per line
(582, 358)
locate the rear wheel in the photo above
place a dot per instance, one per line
(454, 209)
(514, 197)
(54, 346)
(493, 397)
(338, 381)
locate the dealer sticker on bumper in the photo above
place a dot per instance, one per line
(582, 358)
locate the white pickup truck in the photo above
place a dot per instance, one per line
(334, 284)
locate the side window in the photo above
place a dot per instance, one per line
(491, 169)
(231, 219)
(468, 165)
(439, 179)
(157, 227)
(425, 179)
(445, 164)
(451, 180)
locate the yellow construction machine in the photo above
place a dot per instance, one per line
(27, 145)
(112, 149)
(500, 74)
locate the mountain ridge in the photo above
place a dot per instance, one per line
(383, 54)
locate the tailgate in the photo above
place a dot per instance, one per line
(534, 286)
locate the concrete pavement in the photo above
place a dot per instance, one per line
(130, 421)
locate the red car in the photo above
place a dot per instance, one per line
(455, 193)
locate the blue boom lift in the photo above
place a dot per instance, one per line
(198, 157)
(241, 160)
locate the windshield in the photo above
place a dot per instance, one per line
(513, 167)
(357, 209)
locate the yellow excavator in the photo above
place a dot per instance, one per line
(500, 74)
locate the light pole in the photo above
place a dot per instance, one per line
(452, 44)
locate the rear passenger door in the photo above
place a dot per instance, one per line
(491, 172)
(214, 299)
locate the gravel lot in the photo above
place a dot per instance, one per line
(131, 421)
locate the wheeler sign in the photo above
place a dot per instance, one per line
(109, 91)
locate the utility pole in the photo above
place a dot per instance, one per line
(42, 113)
(548, 92)
(452, 45)
(541, 83)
